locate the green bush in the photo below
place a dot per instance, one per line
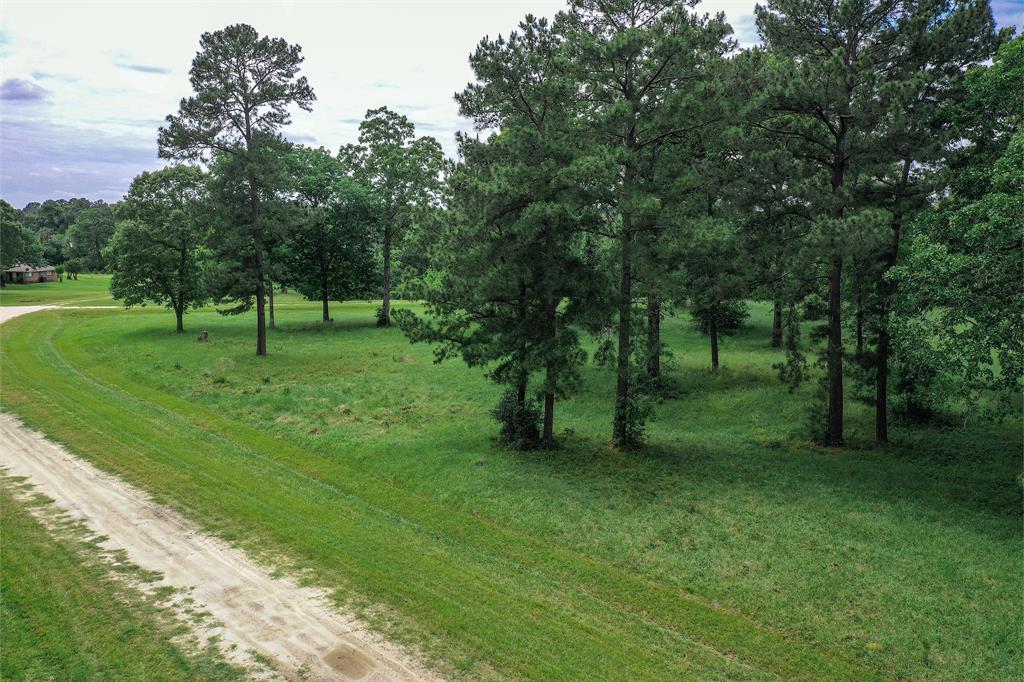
(520, 424)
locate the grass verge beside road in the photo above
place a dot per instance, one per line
(71, 611)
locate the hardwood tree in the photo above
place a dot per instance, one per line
(74, 266)
(328, 253)
(157, 251)
(957, 328)
(244, 84)
(50, 221)
(941, 41)
(89, 235)
(404, 171)
(18, 244)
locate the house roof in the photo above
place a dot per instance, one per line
(21, 267)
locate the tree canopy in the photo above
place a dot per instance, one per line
(158, 248)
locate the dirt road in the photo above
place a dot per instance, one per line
(292, 625)
(9, 312)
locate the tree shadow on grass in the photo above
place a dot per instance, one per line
(337, 326)
(967, 478)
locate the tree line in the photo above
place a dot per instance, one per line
(860, 169)
(69, 234)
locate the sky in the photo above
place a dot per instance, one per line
(84, 86)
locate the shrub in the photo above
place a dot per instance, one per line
(520, 424)
(638, 410)
(728, 314)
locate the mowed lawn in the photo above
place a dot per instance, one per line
(728, 548)
(86, 290)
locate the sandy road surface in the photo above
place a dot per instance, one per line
(292, 625)
(11, 311)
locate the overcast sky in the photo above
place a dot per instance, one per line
(85, 85)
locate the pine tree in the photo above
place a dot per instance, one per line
(515, 279)
(643, 67)
(838, 76)
(244, 84)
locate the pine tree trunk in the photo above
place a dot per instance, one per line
(834, 351)
(777, 324)
(270, 291)
(548, 438)
(385, 306)
(859, 323)
(882, 379)
(523, 377)
(886, 292)
(254, 216)
(261, 319)
(714, 344)
(621, 427)
(834, 415)
(551, 315)
(179, 300)
(654, 338)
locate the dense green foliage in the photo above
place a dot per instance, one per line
(958, 323)
(327, 255)
(634, 161)
(18, 244)
(404, 172)
(89, 235)
(157, 250)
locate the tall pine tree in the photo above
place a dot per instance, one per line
(244, 85)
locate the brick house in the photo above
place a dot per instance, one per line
(20, 273)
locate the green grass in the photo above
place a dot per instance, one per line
(70, 611)
(86, 290)
(728, 548)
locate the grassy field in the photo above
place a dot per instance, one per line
(72, 612)
(86, 290)
(729, 548)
